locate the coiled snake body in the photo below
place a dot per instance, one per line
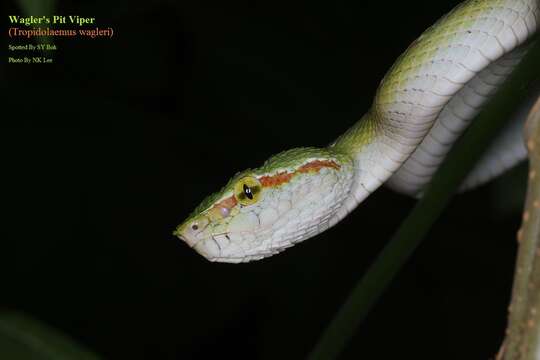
(422, 105)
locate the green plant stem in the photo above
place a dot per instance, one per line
(22, 337)
(415, 227)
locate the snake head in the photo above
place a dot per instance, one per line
(263, 211)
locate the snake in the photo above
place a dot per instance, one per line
(423, 104)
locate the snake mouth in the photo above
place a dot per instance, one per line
(209, 247)
(189, 241)
(213, 247)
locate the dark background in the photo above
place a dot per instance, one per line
(105, 151)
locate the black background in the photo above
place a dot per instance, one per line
(109, 148)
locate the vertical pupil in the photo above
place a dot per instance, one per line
(248, 192)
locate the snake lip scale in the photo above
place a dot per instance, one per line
(422, 105)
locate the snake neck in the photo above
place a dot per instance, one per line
(365, 143)
(361, 134)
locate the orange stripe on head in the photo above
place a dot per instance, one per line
(228, 203)
(284, 177)
(317, 165)
(222, 209)
(275, 180)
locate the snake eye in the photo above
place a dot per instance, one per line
(247, 190)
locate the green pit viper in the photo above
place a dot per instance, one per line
(423, 104)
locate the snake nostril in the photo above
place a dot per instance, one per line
(194, 227)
